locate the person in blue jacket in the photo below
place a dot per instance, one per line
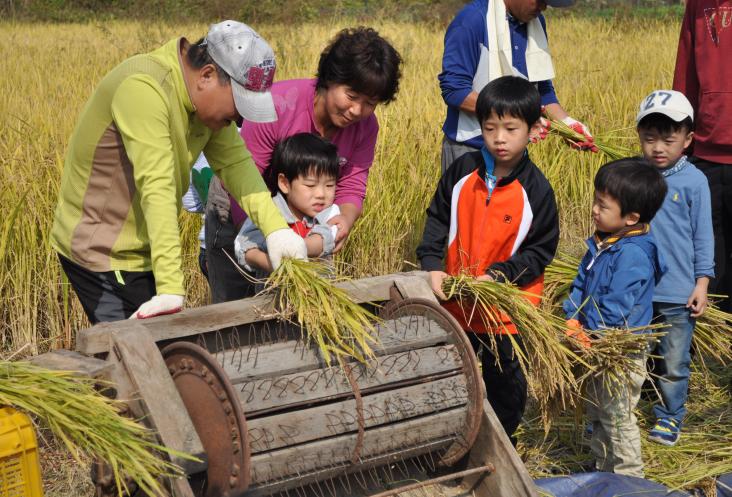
(614, 290)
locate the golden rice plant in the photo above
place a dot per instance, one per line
(88, 424)
(545, 358)
(339, 327)
(608, 147)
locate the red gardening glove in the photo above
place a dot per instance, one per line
(577, 333)
(589, 141)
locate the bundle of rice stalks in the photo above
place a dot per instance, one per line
(558, 278)
(612, 151)
(88, 424)
(545, 358)
(713, 335)
(326, 314)
(610, 353)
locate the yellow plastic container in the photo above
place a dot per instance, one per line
(20, 470)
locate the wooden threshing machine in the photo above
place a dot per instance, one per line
(236, 387)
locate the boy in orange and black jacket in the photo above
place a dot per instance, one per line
(494, 216)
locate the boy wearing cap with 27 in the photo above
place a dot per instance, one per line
(128, 164)
(683, 231)
(494, 216)
(614, 290)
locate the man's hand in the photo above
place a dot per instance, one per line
(159, 305)
(540, 130)
(577, 333)
(589, 141)
(698, 300)
(436, 279)
(285, 243)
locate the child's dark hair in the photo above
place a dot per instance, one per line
(197, 56)
(361, 59)
(509, 95)
(664, 124)
(301, 154)
(635, 184)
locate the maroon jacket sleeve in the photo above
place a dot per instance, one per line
(685, 76)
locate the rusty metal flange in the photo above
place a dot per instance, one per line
(399, 307)
(216, 414)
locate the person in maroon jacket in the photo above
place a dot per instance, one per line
(704, 74)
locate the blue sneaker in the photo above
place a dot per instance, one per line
(666, 432)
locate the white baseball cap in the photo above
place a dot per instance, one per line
(673, 104)
(250, 63)
(560, 3)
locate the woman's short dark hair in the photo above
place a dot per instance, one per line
(361, 59)
(198, 57)
(302, 154)
(635, 184)
(509, 95)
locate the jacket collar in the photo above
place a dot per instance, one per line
(679, 166)
(514, 173)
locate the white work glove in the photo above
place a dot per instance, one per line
(588, 143)
(158, 306)
(285, 243)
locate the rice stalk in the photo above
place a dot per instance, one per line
(88, 424)
(545, 357)
(325, 313)
(613, 151)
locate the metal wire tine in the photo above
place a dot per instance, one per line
(388, 473)
(360, 479)
(301, 491)
(319, 490)
(345, 482)
(418, 464)
(403, 468)
(219, 347)
(429, 460)
(374, 476)
(330, 485)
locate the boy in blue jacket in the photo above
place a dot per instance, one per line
(683, 230)
(614, 289)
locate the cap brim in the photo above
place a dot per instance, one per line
(560, 3)
(676, 115)
(254, 106)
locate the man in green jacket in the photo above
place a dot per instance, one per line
(128, 163)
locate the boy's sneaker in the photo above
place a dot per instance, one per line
(666, 432)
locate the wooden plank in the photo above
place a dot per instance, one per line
(289, 391)
(416, 287)
(165, 410)
(511, 478)
(67, 360)
(306, 425)
(386, 442)
(191, 322)
(273, 360)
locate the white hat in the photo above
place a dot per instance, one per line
(250, 62)
(560, 3)
(667, 102)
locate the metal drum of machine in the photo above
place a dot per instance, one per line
(420, 396)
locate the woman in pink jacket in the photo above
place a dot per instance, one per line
(357, 71)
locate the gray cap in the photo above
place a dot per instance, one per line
(250, 62)
(560, 3)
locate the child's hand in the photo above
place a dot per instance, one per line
(698, 301)
(485, 277)
(436, 279)
(576, 332)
